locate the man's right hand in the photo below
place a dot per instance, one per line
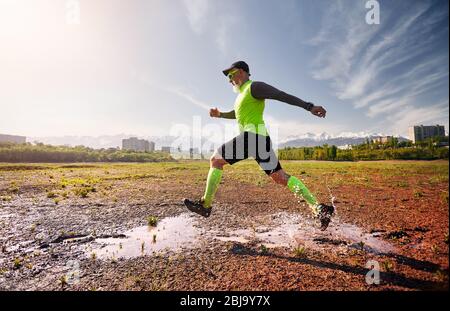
(318, 111)
(214, 112)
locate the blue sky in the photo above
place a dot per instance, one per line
(141, 67)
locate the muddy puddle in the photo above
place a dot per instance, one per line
(170, 234)
(280, 230)
(291, 230)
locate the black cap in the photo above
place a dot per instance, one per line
(239, 65)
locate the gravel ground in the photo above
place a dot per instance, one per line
(57, 222)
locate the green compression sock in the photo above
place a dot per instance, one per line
(212, 183)
(299, 189)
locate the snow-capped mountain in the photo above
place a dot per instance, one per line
(106, 141)
(342, 139)
(301, 140)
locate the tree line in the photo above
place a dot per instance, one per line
(429, 149)
(39, 152)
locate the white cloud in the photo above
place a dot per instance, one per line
(188, 97)
(143, 78)
(219, 28)
(223, 32)
(410, 115)
(197, 12)
(366, 64)
(285, 128)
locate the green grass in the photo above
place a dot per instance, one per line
(152, 221)
(13, 188)
(387, 266)
(263, 249)
(444, 197)
(51, 195)
(115, 181)
(300, 251)
(418, 194)
(6, 198)
(17, 263)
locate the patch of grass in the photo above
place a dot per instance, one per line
(387, 265)
(438, 179)
(361, 245)
(353, 252)
(444, 197)
(440, 275)
(51, 195)
(63, 280)
(402, 184)
(300, 251)
(418, 194)
(17, 263)
(84, 191)
(435, 249)
(152, 221)
(397, 234)
(263, 249)
(13, 188)
(6, 198)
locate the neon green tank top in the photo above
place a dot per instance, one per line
(249, 111)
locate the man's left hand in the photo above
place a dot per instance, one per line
(318, 111)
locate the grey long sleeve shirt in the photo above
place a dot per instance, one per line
(261, 90)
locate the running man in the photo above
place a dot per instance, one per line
(254, 141)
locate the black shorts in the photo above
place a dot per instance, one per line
(249, 144)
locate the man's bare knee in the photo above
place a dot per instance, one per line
(217, 161)
(280, 177)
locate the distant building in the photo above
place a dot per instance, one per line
(151, 146)
(135, 144)
(12, 139)
(420, 132)
(193, 152)
(166, 149)
(345, 147)
(442, 144)
(382, 139)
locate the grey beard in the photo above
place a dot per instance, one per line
(236, 89)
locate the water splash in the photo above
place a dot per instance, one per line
(291, 230)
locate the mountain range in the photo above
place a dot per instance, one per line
(346, 138)
(302, 140)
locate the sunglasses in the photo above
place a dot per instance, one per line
(232, 73)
